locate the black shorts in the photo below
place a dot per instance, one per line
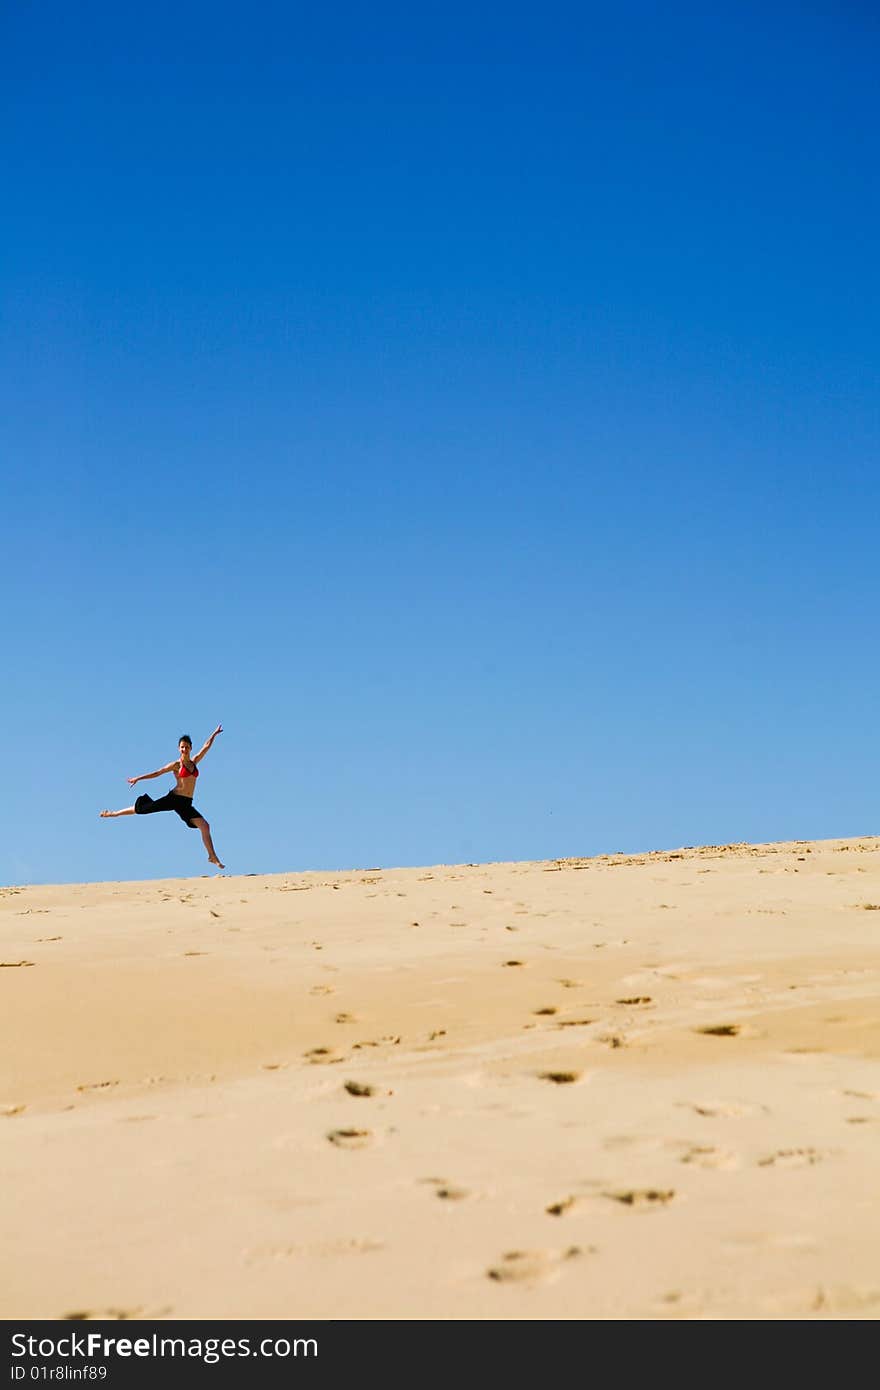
(172, 801)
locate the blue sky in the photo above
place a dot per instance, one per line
(476, 412)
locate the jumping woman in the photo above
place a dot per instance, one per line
(186, 770)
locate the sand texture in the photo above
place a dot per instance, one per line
(628, 1087)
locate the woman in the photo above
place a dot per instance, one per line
(186, 770)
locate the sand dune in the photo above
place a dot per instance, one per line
(628, 1087)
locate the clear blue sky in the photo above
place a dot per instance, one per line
(473, 408)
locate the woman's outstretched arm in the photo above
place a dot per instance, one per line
(145, 776)
(207, 744)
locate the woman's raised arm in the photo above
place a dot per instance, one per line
(207, 744)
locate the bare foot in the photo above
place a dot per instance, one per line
(107, 813)
(215, 860)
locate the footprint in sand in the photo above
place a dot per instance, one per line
(564, 1207)
(346, 1018)
(359, 1088)
(720, 1030)
(8, 1111)
(447, 1191)
(644, 1198)
(531, 1266)
(14, 964)
(114, 1314)
(318, 1056)
(350, 1138)
(639, 1143)
(322, 989)
(560, 1078)
(707, 1156)
(721, 1109)
(546, 1011)
(845, 1298)
(791, 1158)
(96, 1085)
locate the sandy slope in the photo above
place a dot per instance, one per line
(628, 1087)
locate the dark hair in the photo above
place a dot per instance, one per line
(185, 738)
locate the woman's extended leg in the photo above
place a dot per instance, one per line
(201, 824)
(129, 811)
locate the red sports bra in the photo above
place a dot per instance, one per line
(185, 772)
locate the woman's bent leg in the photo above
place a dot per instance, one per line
(201, 824)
